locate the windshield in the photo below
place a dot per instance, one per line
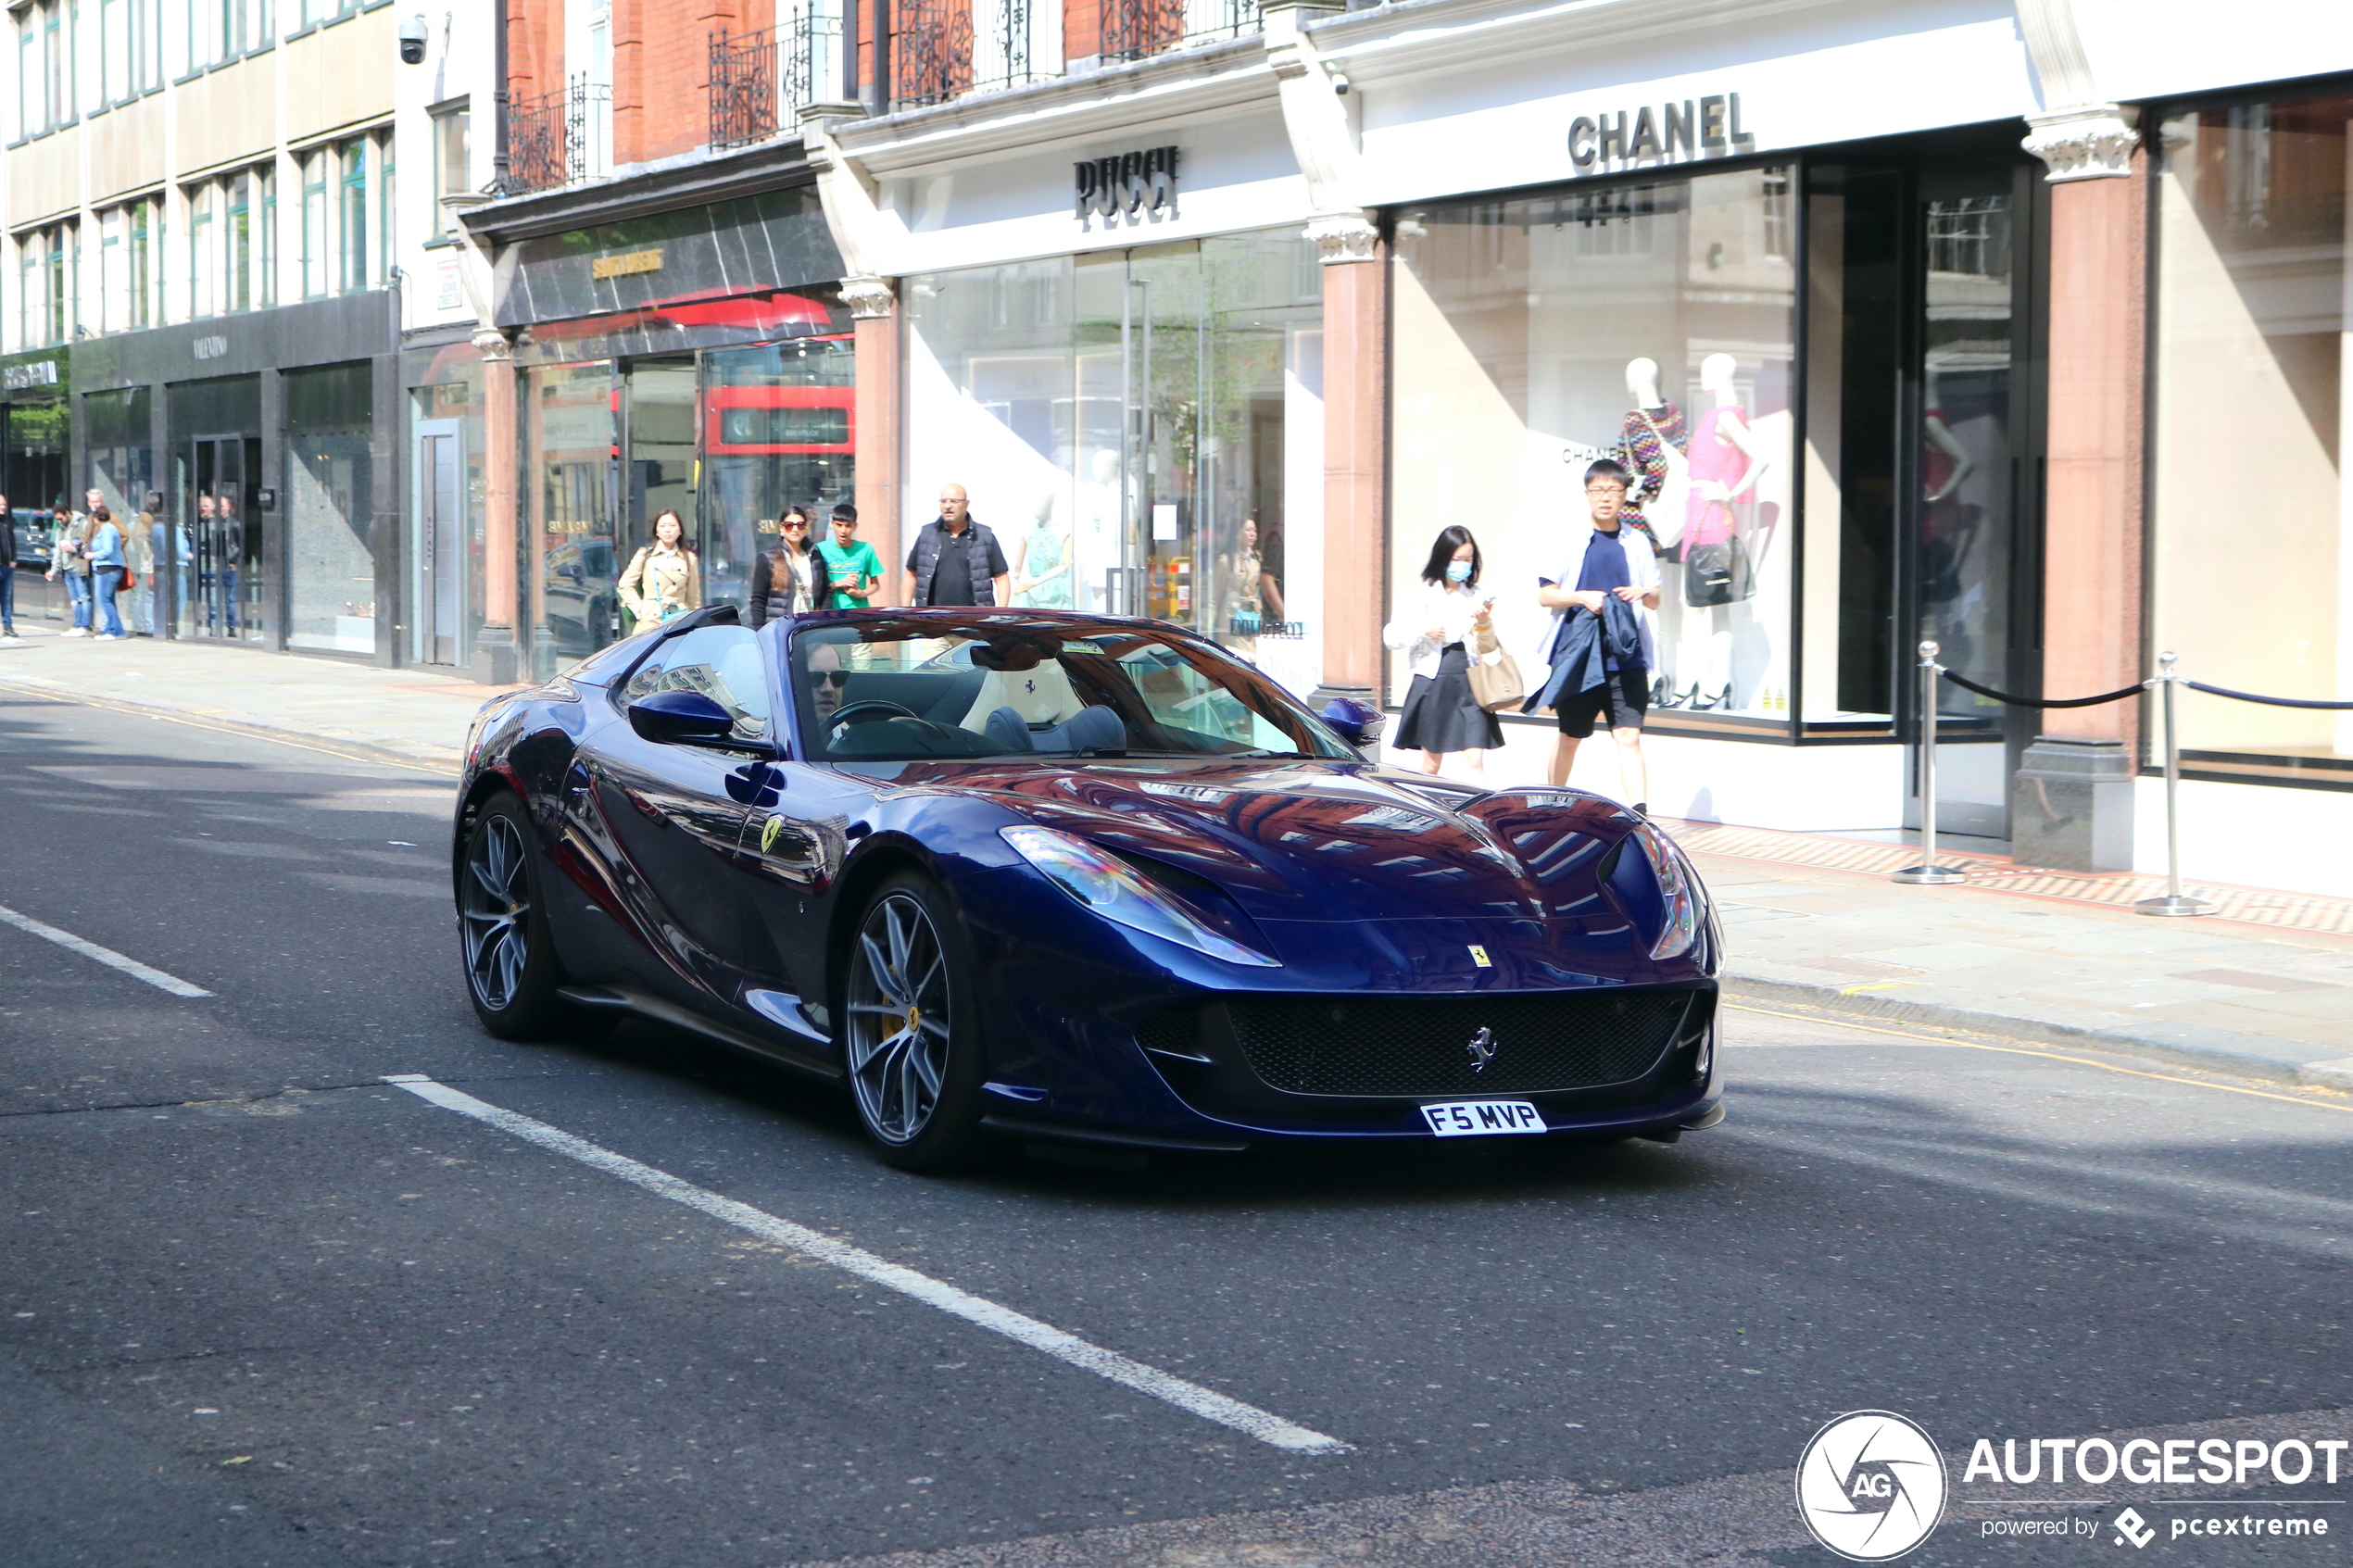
(901, 691)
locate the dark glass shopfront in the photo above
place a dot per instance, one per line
(697, 362)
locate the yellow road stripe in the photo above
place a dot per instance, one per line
(86, 700)
(2054, 1055)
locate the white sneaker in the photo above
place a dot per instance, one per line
(112, 637)
(75, 632)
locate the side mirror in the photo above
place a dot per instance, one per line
(1359, 724)
(680, 718)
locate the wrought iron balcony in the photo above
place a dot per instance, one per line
(1133, 29)
(559, 138)
(943, 49)
(759, 80)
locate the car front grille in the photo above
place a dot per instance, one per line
(1423, 1046)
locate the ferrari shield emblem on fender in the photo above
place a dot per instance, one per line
(768, 832)
(1478, 956)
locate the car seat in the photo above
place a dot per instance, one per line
(1097, 727)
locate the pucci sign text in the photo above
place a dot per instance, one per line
(1128, 185)
(1695, 128)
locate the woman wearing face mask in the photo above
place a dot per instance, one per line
(1442, 716)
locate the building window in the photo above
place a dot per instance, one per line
(44, 65)
(147, 44)
(204, 242)
(114, 50)
(59, 246)
(57, 48)
(384, 260)
(140, 271)
(237, 235)
(2251, 315)
(351, 214)
(267, 181)
(112, 278)
(316, 278)
(451, 135)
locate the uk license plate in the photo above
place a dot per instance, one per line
(1481, 1118)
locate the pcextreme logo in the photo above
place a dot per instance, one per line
(1870, 1485)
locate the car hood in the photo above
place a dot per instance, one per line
(1303, 840)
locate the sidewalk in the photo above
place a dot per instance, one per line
(404, 716)
(2263, 990)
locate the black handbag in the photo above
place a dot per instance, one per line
(1716, 574)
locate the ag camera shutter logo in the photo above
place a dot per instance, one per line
(1870, 1485)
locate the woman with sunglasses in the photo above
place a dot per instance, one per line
(793, 581)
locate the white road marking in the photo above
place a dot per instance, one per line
(107, 956)
(1205, 1403)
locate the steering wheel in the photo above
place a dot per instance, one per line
(848, 712)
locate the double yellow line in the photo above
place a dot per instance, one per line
(2312, 1099)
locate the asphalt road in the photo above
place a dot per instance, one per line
(259, 1307)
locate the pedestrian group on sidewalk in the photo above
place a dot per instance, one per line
(1597, 661)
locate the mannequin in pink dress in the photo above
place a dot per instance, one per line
(1726, 460)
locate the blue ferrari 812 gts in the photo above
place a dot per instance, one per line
(1071, 880)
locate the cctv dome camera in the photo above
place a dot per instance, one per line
(412, 40)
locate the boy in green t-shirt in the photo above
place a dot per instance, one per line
(851, 563)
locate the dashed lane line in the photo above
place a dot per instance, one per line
(1203, 1402)
(107, 956)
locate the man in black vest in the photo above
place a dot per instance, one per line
(955, 561)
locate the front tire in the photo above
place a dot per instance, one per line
(910, 1033)
(511, 968)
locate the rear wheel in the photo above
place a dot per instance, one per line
(909, 1031)
(511, 968)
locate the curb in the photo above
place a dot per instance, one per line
(437, 758)
(2242, 1056)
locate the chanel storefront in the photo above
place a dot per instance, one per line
(1806, 322)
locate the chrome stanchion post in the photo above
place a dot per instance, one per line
(1928, 873)
(2173, 903)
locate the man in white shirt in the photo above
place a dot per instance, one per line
(1602, 559)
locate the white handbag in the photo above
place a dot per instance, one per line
(1666, 511)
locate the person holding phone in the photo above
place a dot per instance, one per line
(1442, 716)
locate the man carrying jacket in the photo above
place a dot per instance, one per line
(956, 560)
(1598, 565)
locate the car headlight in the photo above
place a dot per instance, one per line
(1679, 889)
(1112, 890)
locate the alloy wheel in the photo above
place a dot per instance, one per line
(898, 1018)
(495, 912)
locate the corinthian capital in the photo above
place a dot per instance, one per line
(870, 299)
(1342, 237)
(2093, 142)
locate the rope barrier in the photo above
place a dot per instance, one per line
(1969, 685)
(2268, 701)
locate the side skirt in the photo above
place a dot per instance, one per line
(660, 1011)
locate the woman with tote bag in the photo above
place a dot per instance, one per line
(1443, 715)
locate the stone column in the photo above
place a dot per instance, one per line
(1355, 454)
(495, 645)
(874, 310)
(2071, 799)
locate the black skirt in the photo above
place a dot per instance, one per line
(1442, 715)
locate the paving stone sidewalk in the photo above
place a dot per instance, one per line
(2227, 995)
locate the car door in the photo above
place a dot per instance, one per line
(801, 819)
(676, 815)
